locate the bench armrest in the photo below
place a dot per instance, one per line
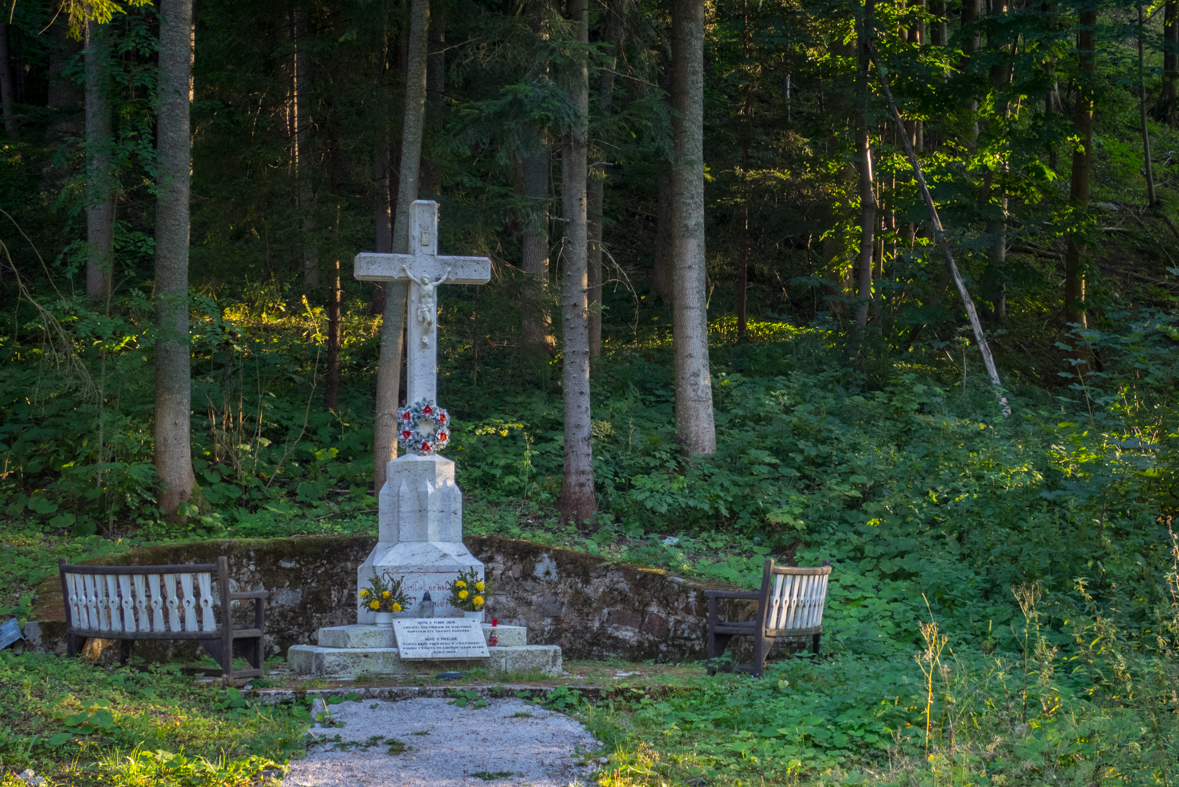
(750, 595)
(250, 594)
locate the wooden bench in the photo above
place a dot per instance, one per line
(789, 604)
(129, 603)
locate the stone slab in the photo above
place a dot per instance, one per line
(362, 636)
(357, 636)
(319, 661)
(508, 636)
(440, 638)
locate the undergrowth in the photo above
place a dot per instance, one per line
(76, 724)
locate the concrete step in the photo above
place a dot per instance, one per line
(321, 661)
(365, 636)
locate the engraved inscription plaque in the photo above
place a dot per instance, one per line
(440, 638)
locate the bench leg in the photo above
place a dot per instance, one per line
(716, 648)
(125, 651)
(73, 645)
(761, 647)
(815, 646)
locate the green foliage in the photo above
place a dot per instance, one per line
(467, 698)
(81, 725)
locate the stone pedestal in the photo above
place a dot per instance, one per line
(421, 534)
(347, 651)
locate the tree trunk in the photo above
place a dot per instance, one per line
(577, 490)
(393, 323)
(746, 132)
(64, 97)
(997, 222)
(1170, 86)
(7, 88)
(971, 11)
(331, 383)
(663, 273)
(1074, 261)
(614, 11)
(302, 109)
(100, 191)
(382, 215)
(173, 406)
(937, 30)
(867, 181)
(693, 380)
(537, 329)
(435, 94)
(1149, 166)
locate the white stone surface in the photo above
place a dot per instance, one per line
(421, 535)
(439, 638)
(362, 636)
(357, 636)
(337, 662)
(425, 270)
(420, 501)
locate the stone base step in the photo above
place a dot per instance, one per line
(365, 636)
(322, 662)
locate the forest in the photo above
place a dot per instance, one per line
(883, 282)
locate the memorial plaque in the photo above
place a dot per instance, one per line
(440, 638)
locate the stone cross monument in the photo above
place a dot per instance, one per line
(421, 507)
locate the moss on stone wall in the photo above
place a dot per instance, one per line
(591, 607)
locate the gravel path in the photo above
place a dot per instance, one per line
(508, 743)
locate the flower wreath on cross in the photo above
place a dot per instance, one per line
(410, 432)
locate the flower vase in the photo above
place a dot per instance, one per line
(384, 619)
(473, 615)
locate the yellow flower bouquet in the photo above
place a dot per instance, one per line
(384, 595)
(468, 592)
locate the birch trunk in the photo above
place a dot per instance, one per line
(693, 381)
(100, 192)
(393, 322)
(578, 502)
(173, 405)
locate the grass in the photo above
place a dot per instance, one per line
(77, 724)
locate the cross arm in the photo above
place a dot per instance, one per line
(370, 266)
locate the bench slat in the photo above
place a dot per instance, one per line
(173, 602)
(189, 601)
(128, 600)
(140, 583)
(207, 622)
(157, 603)
(97, 600)
(114, 609)
(77, 601)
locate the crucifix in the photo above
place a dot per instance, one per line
(424, 269)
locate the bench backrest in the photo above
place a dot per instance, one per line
(794, 597)
(143, 599)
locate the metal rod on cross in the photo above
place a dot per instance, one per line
(425, 270)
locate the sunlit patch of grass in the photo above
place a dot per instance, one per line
(143, 768)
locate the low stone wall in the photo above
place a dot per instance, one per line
(592, 608)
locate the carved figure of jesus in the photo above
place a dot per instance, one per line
(427, 311)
